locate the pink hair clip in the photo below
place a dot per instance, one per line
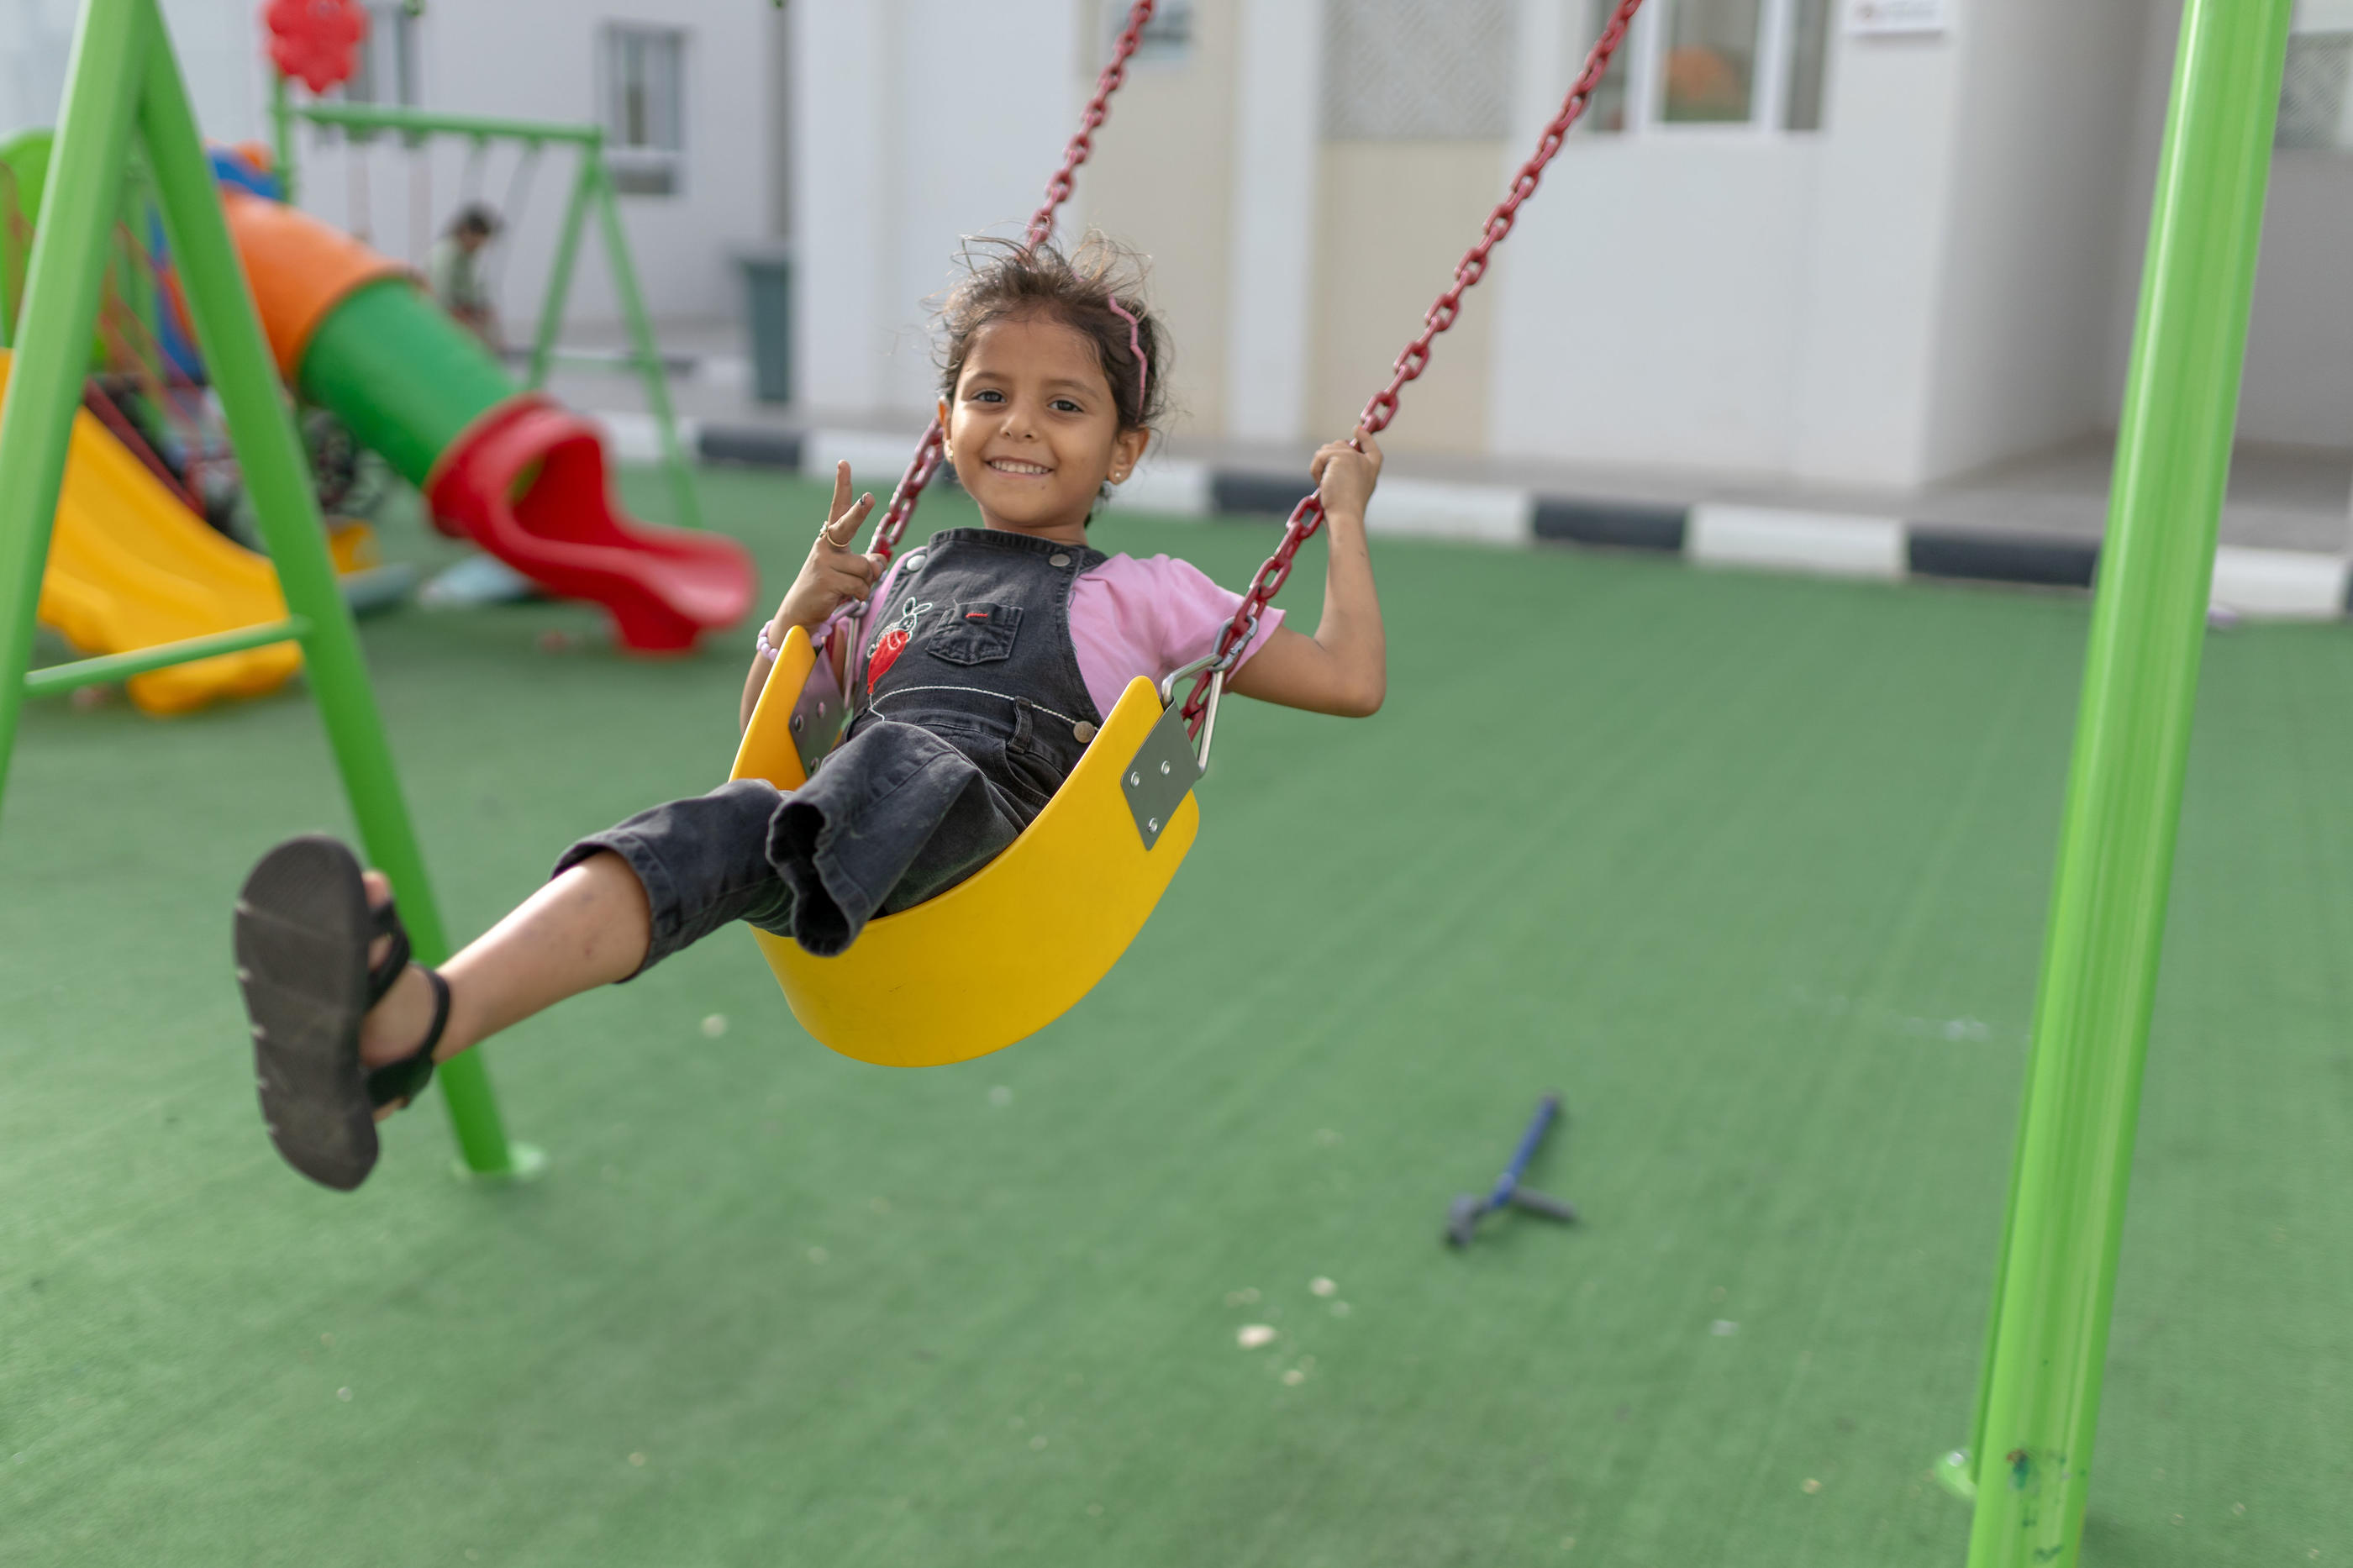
(1135, 345)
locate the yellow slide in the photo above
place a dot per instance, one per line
(130, 567)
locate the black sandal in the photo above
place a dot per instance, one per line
(303, 928)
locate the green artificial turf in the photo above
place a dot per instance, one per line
(1751, 869)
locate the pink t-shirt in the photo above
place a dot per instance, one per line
(1132, 617)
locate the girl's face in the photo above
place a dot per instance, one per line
(1033, 431)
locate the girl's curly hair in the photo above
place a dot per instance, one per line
(1097, 289)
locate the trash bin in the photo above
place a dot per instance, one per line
(768, 319)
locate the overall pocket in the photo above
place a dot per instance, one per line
(975, 632)
(1031, 767)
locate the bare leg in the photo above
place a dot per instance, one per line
(589, 927)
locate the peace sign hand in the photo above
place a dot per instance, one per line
(835, 572)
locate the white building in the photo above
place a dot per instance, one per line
(684, 89)
(1828, 243)
(1865, 242)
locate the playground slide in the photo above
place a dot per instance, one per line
(131, 567)
(521, 477)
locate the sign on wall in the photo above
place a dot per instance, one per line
(2322, 16)
(1866, 17)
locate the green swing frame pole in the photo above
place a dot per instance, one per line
(425, 122)
(559, 272)
(281, 137)
(62, 276)
(2040, 1403)
(592, 187)
(123, 66)
(52, 678)
(229, 335)
(633, 310)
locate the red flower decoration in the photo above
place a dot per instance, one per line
(313, 39)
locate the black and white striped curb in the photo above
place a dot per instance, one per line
(2267, 583)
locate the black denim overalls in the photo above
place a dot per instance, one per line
(956, 745)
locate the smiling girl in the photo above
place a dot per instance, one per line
(979, 666)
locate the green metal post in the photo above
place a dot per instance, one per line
(1958, 1470)
(559, 272)
(51, 678)
(2116, 855)
(281, 136)
(414, 124)
(61, 288)
(270, 459)
(649, 355)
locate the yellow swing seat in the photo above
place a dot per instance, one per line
(1002, 954)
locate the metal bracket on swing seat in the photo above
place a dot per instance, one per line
(819, 715)
(1165, 767)
(1161, 774)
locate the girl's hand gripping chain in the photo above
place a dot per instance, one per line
(1346, 472)
(1344, 668)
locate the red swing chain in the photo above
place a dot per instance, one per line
(926, 460)
(1308, 515)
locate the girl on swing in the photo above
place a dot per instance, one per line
(979, 666)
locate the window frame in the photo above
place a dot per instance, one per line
(1156, 49)
(399, 21)
(1644, 52)
(2333, 23)
(631, 163)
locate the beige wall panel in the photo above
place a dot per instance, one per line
(2039, 195)
(1393, 219)
(2299, 368)
(1160, 182)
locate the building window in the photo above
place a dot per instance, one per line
(644, 71)
(1418, 70)
(1759, 64)
(2317, 94)
(384, 68)
(1607, 109)
(1709, 77)
(1166, 39)
(1809, 63)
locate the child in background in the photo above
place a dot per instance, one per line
(979, 666)
(453, 273)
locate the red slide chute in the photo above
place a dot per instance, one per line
(529, 485)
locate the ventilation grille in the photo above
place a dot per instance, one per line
(2312, 97)
(1418, 70)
